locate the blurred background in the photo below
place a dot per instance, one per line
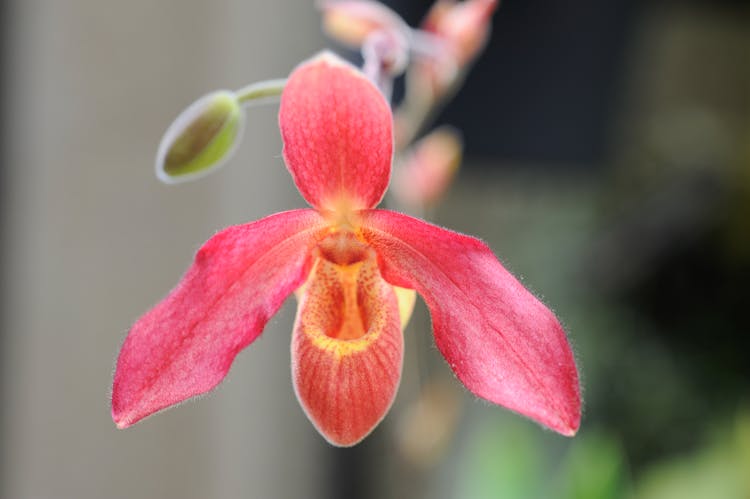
(607, 164)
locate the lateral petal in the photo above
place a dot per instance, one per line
(338, 135)
(502, 343)
(185, 345)
(347, 349)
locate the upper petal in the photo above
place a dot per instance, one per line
(338, 134)
(185, 345)
(501, 342)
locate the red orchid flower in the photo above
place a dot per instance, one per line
(346, 259)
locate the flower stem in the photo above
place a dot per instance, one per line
(261, 91)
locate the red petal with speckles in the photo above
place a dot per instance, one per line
(347, 349)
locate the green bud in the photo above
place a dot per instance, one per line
(201, 139)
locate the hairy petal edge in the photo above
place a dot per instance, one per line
(501, 341)
(185, 345)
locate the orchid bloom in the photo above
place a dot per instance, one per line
(347, 261)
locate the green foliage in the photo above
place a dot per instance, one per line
(719, 469)
(512, 459)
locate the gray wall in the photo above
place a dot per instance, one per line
(92, 240)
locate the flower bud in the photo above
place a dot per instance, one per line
(386, 52)
(465, 26)
(451, 37)
(201, 139)
(429, 168)
(427, 426)
(351, 22)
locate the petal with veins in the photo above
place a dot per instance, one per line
(338, 135)
(185, 345)
(502, 342)
(347, 349)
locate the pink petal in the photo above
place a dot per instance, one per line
(501, 342)
(347, 349)
(185, 345)
(338, 135)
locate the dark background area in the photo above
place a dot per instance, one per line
(548, 84)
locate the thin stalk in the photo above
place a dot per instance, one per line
(261, 91)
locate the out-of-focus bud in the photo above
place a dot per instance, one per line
(201, 139)
(452, 35)
(429, 168)
(465, 26)
(427, 426)
(386, 53)
(351, 22)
